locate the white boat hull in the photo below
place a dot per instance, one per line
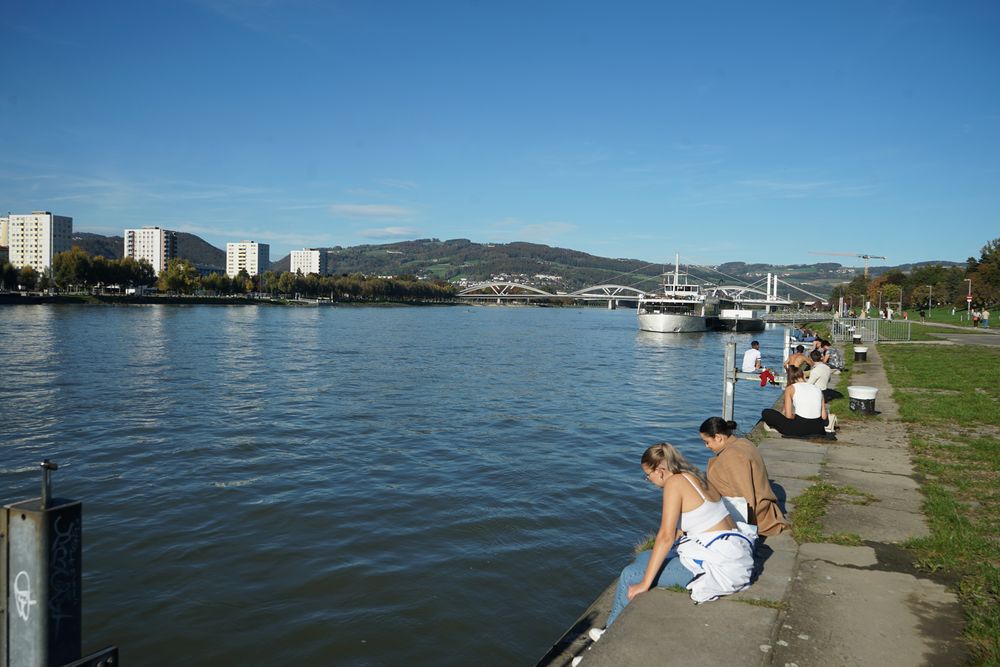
(672, 323)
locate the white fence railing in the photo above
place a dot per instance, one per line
(870, 330)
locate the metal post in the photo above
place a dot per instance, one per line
(729, 381)
(41, 544)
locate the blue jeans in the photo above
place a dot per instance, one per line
(672, 573)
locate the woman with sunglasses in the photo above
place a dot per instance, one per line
(698, 545)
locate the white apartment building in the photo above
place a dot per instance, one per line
(4, 231)
(34, 239)
(156, 246)
(250, 256)
(309, 261)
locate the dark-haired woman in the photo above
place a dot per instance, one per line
(804, 414)
(738, 469)
(698, 545)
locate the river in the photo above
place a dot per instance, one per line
(350, 486)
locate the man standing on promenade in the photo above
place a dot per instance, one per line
(984, 317)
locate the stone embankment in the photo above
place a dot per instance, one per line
(812, 603)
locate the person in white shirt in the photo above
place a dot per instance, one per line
(751, 359)
(804, 413)
(820, 376)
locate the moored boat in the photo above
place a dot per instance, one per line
(741, 319)
(680, 308)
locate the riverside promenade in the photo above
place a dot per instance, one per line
(812, 603)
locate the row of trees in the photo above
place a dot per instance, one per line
(181, 276)
(931, 284)
(75, 270)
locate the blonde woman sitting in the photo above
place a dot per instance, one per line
(698, 545)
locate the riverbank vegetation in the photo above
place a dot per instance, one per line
(74, 271)
(930, 285)
(948, 396)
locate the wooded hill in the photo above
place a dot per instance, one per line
(555, 269)
(190, 247)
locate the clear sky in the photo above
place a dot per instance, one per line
(725, 131)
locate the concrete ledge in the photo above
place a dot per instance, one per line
(660, 628)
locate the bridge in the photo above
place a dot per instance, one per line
(501, 291)
(506, 291)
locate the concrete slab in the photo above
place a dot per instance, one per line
(797, 455)
(838, 554)
(782, 542)
(774, 578)
(660, 627)
(792, 469)
(788, 488)
(896, 492)
(868, 459)
(846, 616)
(874, 522)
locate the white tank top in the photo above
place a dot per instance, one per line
(807, 400)
(704, 516)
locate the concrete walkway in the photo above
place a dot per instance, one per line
(812, 604)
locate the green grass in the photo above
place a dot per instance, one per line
(810, 508)
(950, 399)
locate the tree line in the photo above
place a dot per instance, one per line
(76, 270)
(932, 284)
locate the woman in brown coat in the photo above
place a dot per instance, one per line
(737, 469)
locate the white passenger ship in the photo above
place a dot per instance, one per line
(680, 308)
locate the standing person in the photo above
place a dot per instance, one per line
(696, 537)
(975, 318)
(984, 317)
(804, 412)
(738, 469)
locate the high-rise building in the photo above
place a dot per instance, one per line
(156, 246)
(35, 238)
(309, 261)
(4, 231)
(249, 256)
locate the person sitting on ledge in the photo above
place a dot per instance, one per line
(804, 414)
(698, 545)
(798, 359)
(738, 469)
(831, 356)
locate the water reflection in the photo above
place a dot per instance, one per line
(341, 467)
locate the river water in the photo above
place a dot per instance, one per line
(350, 486)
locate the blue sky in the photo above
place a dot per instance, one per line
(725, 131)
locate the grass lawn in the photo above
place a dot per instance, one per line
(949, 396)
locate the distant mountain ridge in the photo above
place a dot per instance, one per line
(558, 269)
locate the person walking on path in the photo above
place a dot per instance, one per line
(984, 317)
(738, 469)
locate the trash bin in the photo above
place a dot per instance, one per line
(856, 338)
(862, 399)
(861, 353)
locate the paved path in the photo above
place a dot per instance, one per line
(813, 604)
(979, 337)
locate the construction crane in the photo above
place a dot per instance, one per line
(851, 254)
